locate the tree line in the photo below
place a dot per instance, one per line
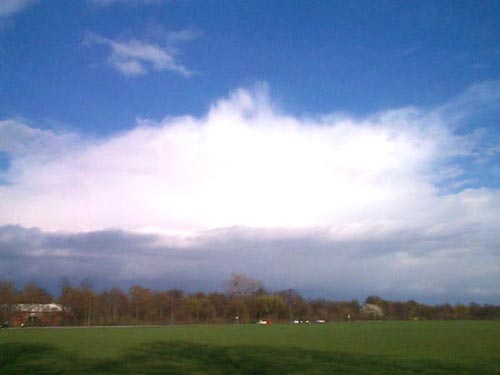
(244, 300)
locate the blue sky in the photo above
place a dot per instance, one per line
(359, 135)
(317, 57)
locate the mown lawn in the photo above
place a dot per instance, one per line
(445, 347)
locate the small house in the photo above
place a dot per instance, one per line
(37, 314)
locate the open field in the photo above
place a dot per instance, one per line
(437, 347)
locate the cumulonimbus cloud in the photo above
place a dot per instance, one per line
(382, 200)
(242, 164)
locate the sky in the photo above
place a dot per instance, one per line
(342, 149)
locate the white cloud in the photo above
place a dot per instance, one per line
(20, 140)
(135, 57)
(339, 200)
(9, 7)
(243, 164)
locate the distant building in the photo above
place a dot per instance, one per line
(35, 314)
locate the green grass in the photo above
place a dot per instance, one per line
(446, 347)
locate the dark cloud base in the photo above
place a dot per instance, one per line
(311, 263)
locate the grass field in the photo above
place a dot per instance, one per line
(441, 347)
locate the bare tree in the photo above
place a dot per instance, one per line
(32, 293)
(88, 296)
(293, 302)
(141, 302)
(239, 284)
(239, 287)
(8, 294)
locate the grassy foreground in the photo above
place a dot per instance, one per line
(446, 347)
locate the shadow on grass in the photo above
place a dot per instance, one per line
(187, 358)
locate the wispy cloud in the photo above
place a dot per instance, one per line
(411, 50)
(103, 3)
(18, 139)
(9, 7)
(186, 35)
(135, 57)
